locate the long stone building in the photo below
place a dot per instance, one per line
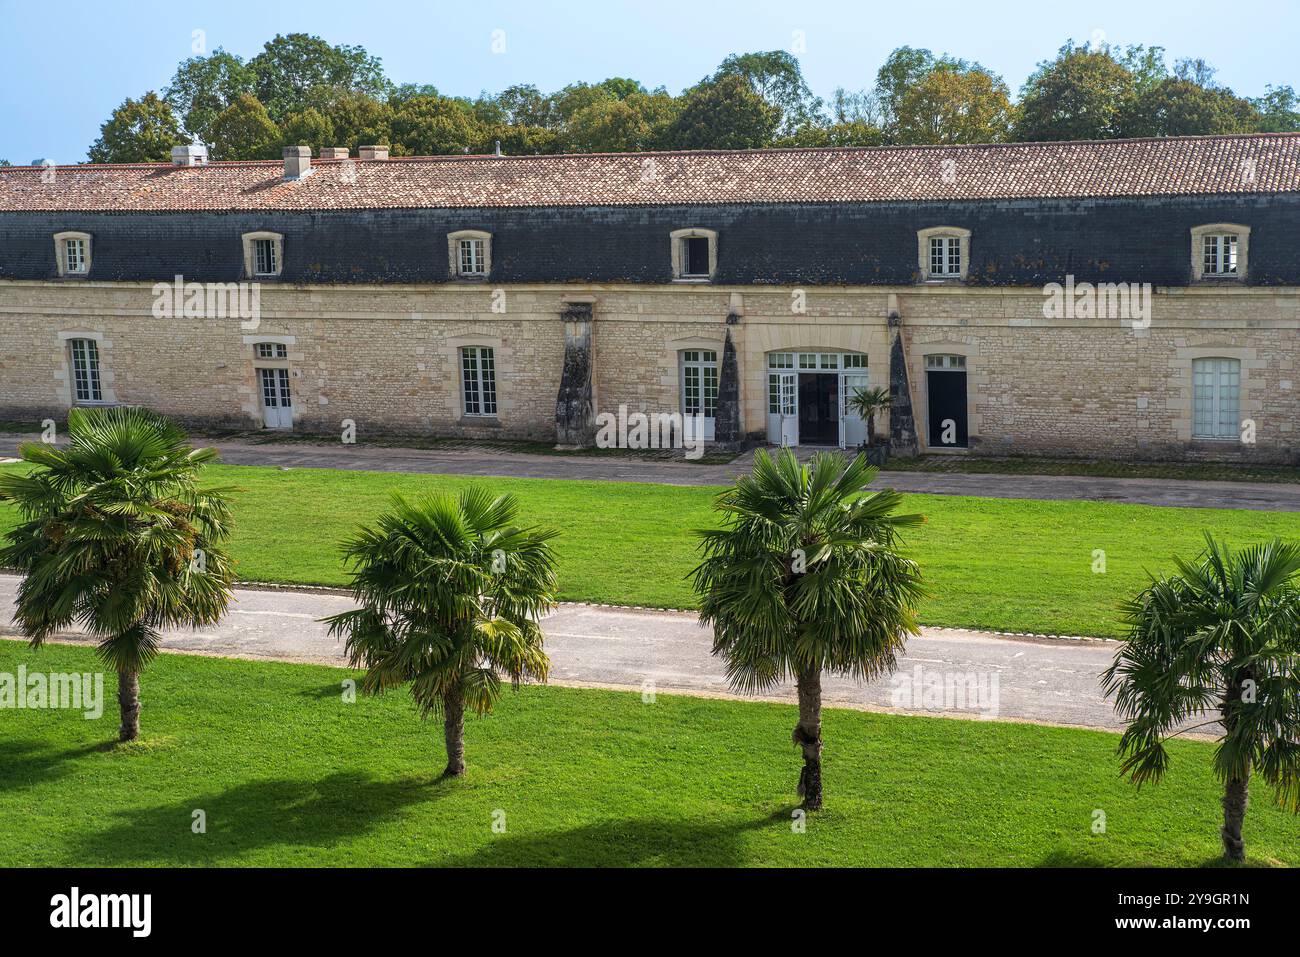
(1133, 299)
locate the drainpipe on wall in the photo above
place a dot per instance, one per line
(902, 421)
(575, 423)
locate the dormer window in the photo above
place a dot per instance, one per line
(944, 253)
(1219, 251)
(469, 254)
(263, 255)
(72, 253)
(694, 254)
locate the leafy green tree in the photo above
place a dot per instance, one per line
(139, 131)
(901, 71)
(292, 67)
(805, 577)
(204, 87)
(1083, 94)
(954, 102)
(450, 592)
(853, 133)
(115, 535)
(1279, 110)
(245, 131)
(431, 126)
(1176, 107)
(775, 75)
(1221, 637)
(308, 128)
(357, 119)
(632, 124)
(725, 114)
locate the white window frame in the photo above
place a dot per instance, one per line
(84, 367)
(61, 241)
(1219, 418)
(270, 350)
(478, 382)
(677, 240)
(250, 241)
(701, 365)
(952, 237)
(1201, 235)
(454, 247)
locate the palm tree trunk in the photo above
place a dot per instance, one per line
(808, 736)
(1236, 795)
(453, 729)
(128, 702)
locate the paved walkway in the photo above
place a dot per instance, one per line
(1261, 496)
(1040, 680)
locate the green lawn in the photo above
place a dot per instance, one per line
(1004, 564)
(289, 775)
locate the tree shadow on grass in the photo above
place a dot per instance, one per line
(24, 763)
(627, 843)
(258, 814)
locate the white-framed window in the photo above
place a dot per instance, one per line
(263, 255)
(945, 256)
(479, 380)
(472, 261)
(816, 361)
(265, 262)
(1220, 251)
(75, 251)
(72, 253)
(84, 356)
(469, 254)
(694, 254)
(700, 382)
(945, 363)
(271, 350)
(944, 253)
(1216, 398)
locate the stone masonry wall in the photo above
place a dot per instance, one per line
(387, 357)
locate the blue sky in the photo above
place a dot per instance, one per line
(64, 67)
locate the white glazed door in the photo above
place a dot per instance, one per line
(853, 431)
(277, 403)
(789, 391)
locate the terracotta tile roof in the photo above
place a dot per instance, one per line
(1185, 166)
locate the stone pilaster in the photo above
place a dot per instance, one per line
(574, 415)
(726, 428)
(902, 420)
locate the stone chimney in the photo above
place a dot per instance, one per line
(373, 152)
(194, 155)
(334, 152)
(297, 162)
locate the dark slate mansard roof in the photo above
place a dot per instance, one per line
(1106, 210)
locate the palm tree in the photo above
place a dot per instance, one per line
(805, 577)
(116, 535)
(451, 591)
(1220, 637)
(865, 403)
